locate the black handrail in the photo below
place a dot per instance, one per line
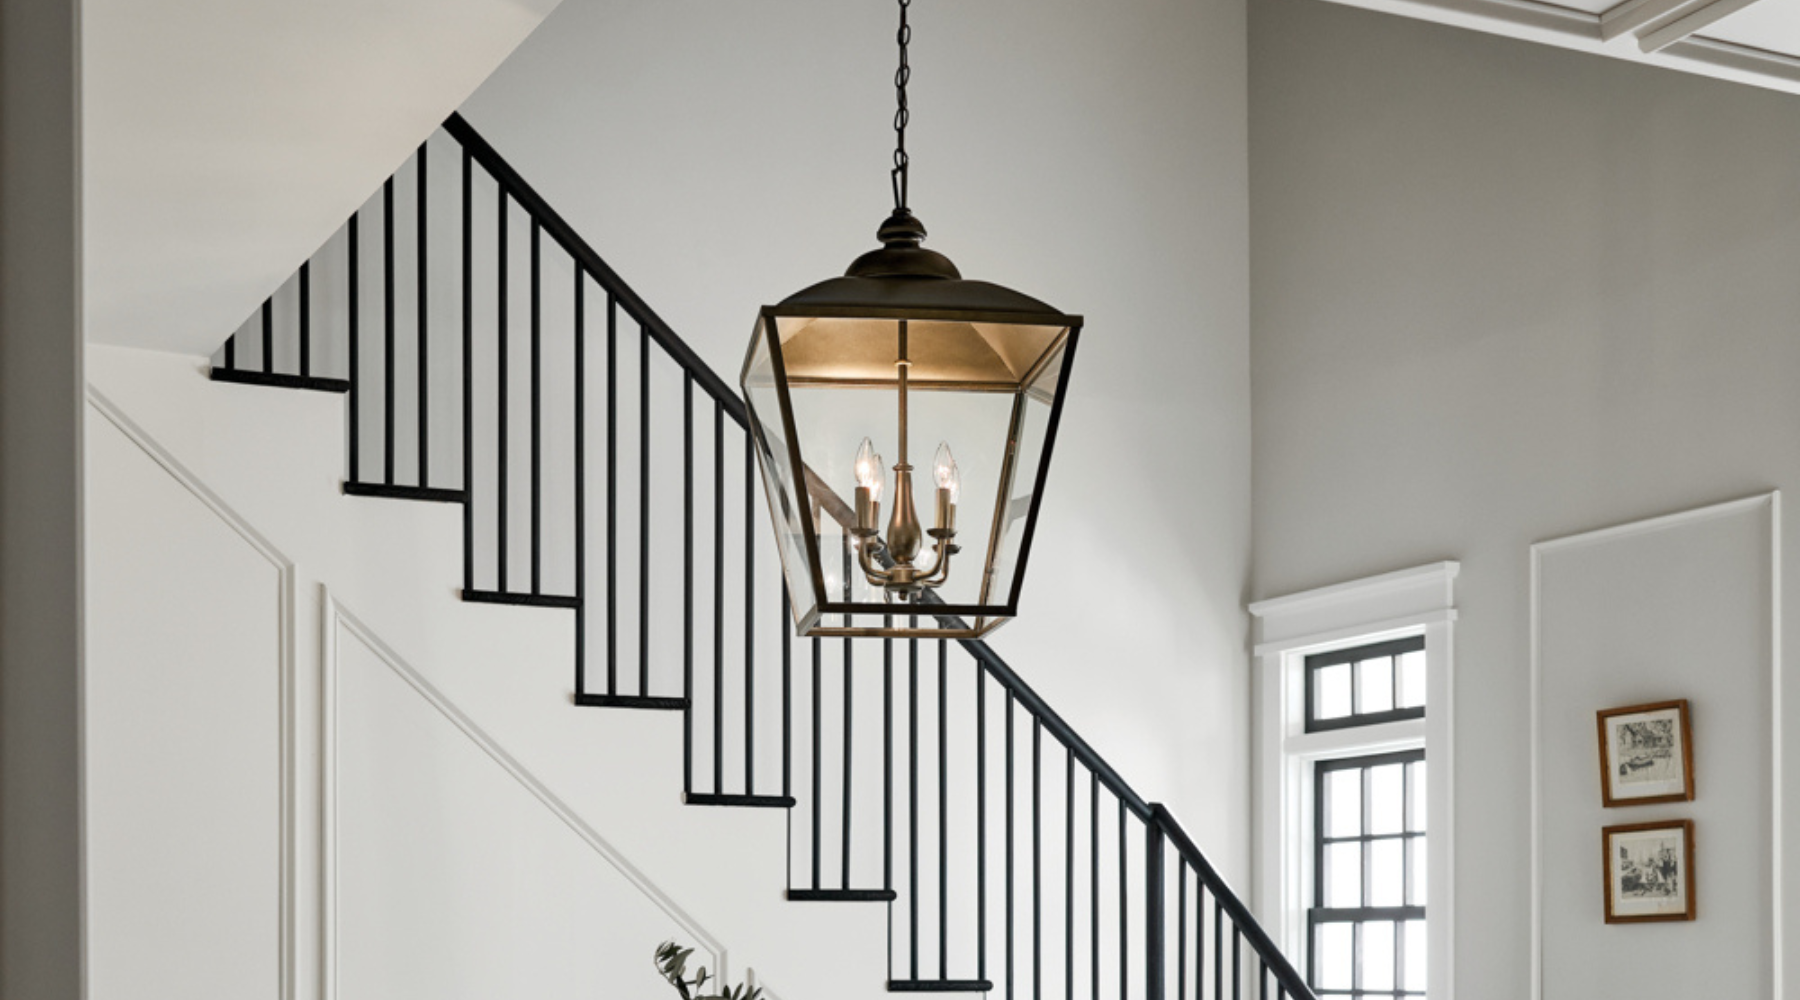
(564, 234)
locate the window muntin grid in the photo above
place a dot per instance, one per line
(1366, 928)
(1366, 685)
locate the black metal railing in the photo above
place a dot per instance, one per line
(1012, 856)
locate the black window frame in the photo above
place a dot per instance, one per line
(1318, 913)
(1316, 662)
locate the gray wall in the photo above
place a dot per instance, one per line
(724, 156)
(40, 501)
(1501, 293)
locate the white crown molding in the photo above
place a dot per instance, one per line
(288, 901)
(1770, 503)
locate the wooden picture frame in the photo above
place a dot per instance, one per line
(1646, 754)
(1649, 871)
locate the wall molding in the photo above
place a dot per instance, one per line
(1770, 503)
(287, 656)
(337, 620)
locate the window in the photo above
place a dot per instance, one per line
(1354, 711)
(1366, 927)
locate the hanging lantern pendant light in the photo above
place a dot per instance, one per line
(965, 360)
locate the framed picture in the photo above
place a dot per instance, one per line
(1649, 871)
(1646, 754)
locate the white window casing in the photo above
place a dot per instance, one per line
(1419, 601)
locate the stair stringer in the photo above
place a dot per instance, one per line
(276, 458)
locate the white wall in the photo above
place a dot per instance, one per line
(722, 157)
(1503, 293)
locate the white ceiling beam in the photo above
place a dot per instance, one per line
(1624, 18)
(1687, 20)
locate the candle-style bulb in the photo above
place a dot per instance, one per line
(944, 469)
(868, 469)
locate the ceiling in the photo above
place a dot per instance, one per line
(225, 140)
(1748, 41)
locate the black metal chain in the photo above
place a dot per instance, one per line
(901, 76)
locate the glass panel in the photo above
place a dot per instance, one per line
(775, 462)
(1333, 961)
(1378, 956)
(1419, 853)
(1387, 873)
(1415, 955)
(1331, 691)
(1031, 437)
(1387, 800)
(1412, 679)
(1416, 785)
(1343, 875)
(1375, 680)
(1343, 802)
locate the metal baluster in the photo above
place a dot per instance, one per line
(818, 756)
(912, 813)
(1218, 948)
(424, 367)
(537, 412)
(306, 319)
(1155, 969)
(1124, 909)
(612, 495)
(718, 597)
(581, 482)
(749, 611)
(468, 386)
(500, 452)
(787, 710)
(355, 352)
(1010, 995)
(887, 762)
(1037, 858)
(981, 883)
(1069, 874)
(943, 812)
(1094, 877)
(387, 315)
(1181, 928)
(849, 700)
(687, 579)
(1237, 972)
(643, 510)
(231, 353)
(268, 336)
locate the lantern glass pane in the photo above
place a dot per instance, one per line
(1036, 404)
(774, 458)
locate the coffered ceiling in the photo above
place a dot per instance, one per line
(1749, 41)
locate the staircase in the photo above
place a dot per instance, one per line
(492, 360)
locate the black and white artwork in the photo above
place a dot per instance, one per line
(1649, 872)
(1645, 754)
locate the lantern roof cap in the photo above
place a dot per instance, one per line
(902, 277)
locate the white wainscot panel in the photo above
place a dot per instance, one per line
(455, 878)
(1678, 607)
(186, 653)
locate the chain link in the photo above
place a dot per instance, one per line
(901, 115)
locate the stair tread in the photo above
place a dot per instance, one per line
(669, 703)
(390, 491)
(273, 380)
(522, 600)
(739, 801)
(842, 895)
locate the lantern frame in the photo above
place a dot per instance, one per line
(904, 283)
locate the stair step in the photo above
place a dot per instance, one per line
(641, 701)
(271, 380)
(523, 600)
(739, 801)
(939, 986)
(429, 494)
(842, 895)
